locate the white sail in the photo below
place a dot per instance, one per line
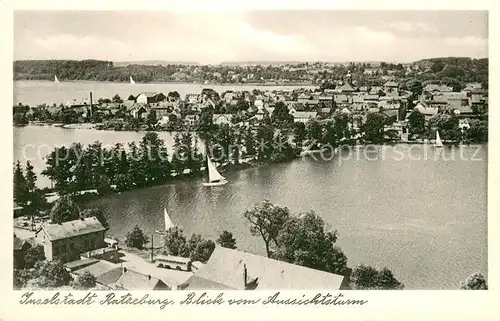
(213, 174)
(439, 143)
(55, 79)
(132, 80)
(168, 221)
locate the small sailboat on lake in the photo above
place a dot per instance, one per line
(56, 81)
(132, 82)
(168, 222)
(438, 143)
(214, 177)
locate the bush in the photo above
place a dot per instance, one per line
(33, 255)
(475, 282)
(369, 278)
(136, 238)
(84, 281)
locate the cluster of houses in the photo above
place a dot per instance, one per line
(83, 248)
(303, 104)
(436, 98)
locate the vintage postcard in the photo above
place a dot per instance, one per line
(166, 160)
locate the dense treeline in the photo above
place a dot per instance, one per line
(64, 69)
(451, 71)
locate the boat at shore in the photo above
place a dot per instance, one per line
(56, 81)
(214, 177)
(132, 82)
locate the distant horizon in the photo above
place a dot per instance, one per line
(216, 37)
(255, 61)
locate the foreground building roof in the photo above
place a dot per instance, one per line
(233, 269)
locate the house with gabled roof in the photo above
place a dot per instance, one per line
(68, 240)
(346, 88)
(149, 97)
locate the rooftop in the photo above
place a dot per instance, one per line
(149, 94)
(73, 228)
(225, 270)
(131, 280)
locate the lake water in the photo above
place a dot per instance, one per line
(425, 219)
(33, 93)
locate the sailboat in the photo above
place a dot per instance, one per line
(438, 143)
(132, 81)
(168, 222)
(214, 177)
(56, 81)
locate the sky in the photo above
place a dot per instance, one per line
(210, 38)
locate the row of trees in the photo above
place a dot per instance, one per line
(176, 243)
(26, 193)
(77, 168)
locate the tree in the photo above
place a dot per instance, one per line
(117, 99)
(223, 139)
(199, 248)
(63, 168)
(299, 132)
(448, 126)
(64, 210)
(437, 66)
(136, 238)
(478, 131)
(51, 274)
(19, 119)
(30, 177)
(387, 281)
(21, 191)
(267, 220)
(368, 278)
(314, 133)
(22, 277)
(33, 255)
(226, 240)
(175, 242)
(84, 281)
(96, 212)
(249, 142)
(264, 141)
(416, 88)
(151, 119)
(306, 241)
(416, 122)
(281, 115)
(341, 125)
(154, 160)
(475, 282)
(374, 127)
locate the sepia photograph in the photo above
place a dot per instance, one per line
(250, 150)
